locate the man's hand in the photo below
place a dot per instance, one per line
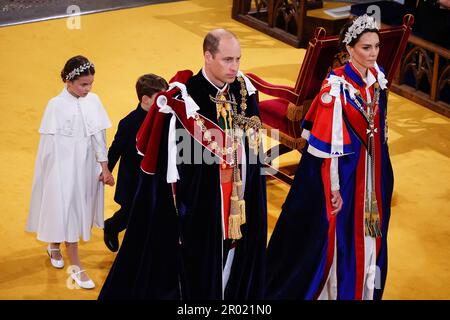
(444, 4)
(336, 201)
(107, 178)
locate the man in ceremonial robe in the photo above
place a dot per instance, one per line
(198, 227)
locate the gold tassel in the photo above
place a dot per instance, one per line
(372, 217)
(234, 204)
(234, 220)
(238, 186)
(234, 227)
(373, 203)
(241, 201)
(242, 211)
(376, 225)
(367, 225)
(375, 216)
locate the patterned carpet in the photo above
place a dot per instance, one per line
(23, 11)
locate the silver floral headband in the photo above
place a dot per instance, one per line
(78, 70)
(358, 26)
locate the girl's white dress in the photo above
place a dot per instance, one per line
(67, 196)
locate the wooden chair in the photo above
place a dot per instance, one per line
(289, 104)
(281, 19)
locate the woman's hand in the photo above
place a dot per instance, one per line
(336, 201)
(106, 176)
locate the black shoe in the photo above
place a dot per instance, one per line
(111, 239)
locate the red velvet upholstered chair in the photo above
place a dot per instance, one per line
(289, 104)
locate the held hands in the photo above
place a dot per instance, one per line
(106, 177)
(336, 201)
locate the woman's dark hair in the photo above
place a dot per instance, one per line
(354, 40)
(74, 63)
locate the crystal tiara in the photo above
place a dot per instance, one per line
(78, 70)
(358, 26)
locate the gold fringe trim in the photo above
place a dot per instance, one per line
(294, 113)
(291, 142)
(234, 227)
(242, 211)
(372, 226)
(241, 202)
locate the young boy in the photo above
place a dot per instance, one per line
(124, 147)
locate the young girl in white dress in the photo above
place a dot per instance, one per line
(71, 168)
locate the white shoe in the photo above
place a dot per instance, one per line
(58, 264)
(88, 284)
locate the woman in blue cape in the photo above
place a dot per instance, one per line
(330, 239)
